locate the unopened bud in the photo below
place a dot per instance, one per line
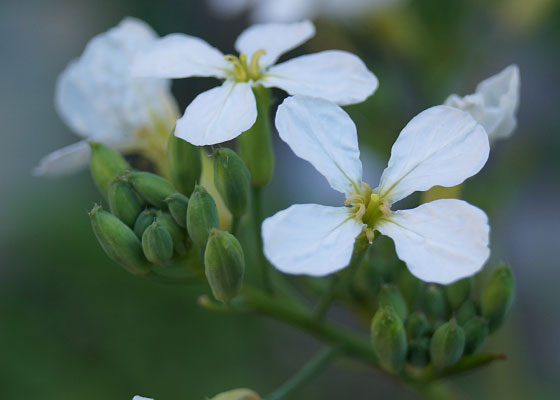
(497, 297)
(184, 164)
(177, 204)
(153, 188)
(123, 201)
(419, 352)
(447, 344)
(466, 312)
(105, 163)
(202, 216)
(410, 286)
(224, 264)
(389, 339)
(434, 301)
(458, 292)
(178, 234)
(237, 394)
(144, 219)
(389, 295)
(476, 332)
(157, 243)
(233, 181)
(416, 324)
(119, 241)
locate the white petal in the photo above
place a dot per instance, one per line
(141, 398)
(440, 146)
(218, 115)
(275, 38)
(180, 56)
(323, 134)
(333, 75)
(310, 239)
(283, 10)
(99, 99)
(441, 241)
(64, 161)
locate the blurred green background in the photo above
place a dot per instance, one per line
(73, 325)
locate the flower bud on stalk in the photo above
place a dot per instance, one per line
(144, 219)
(105, 163)
(466, 312)
(119, 241)
(153, 188)
(389, 295)
(177, 233)
(419, 352)
(224, 264)
(177, 204)
(123, 201)
(237, 394)
(497, 297)
(448, 342)
(476, 332)
(157, 243)
(416, 324)
(233, 181)
(434, 301)
(202, 216)
(389, 339)
(184, 163)
(458, 292)
(255, 146)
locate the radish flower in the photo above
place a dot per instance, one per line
(100, 101)
(494, 103)
(223, 113)
(441, 241)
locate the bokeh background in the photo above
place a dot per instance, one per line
(75, 326)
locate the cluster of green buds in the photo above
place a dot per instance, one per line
(169, 229)
(418, 325)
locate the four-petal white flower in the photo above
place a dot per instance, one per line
(222, 113)
(441, 241)
(494, 103)
(99, 99)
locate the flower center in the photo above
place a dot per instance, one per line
(369, 208)
(243, 71)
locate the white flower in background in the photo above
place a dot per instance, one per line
(441, 241)
(494, 103)
(222, 113)
(100, 101)
(141, 398)
(296, 10)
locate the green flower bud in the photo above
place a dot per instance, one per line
(434, 301)
(233, 181)
(416, 324)
(123, 201)
(224, 264)
(255, 145)
(476, 332)
(448, 342)
(184, 163)
(410, 286)
(157, 243)
(144, 219)
(237, 394)
(389, 339)
(202, 216)
(419, 352)
(153, 188)
(177, 233)
(458, 292)
(177, 204)
(466, 312)
(119, 241)
(105, 163)
(389, 295)
(497, 297)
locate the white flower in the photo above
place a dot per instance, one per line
(296, 10)
(100, 101)
(141, 398)
(441, 241)
(222, 113)
(494, 103)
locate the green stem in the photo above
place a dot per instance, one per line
(257, 219)
(303, 376)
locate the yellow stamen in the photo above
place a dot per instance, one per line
(254, 68)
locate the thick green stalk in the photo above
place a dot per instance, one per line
(263, 264)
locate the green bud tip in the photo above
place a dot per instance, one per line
(476, 332)
(157, 243)
(153, 188)
(416, 324)
(177, 204)
(458, 292)
(185, 164)
(389, 295)
(434, 303)
(232, 180)
(123, 201)
(105, 163)
(389, 339)
(202, 216)
(447, 344)
(497, 297)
